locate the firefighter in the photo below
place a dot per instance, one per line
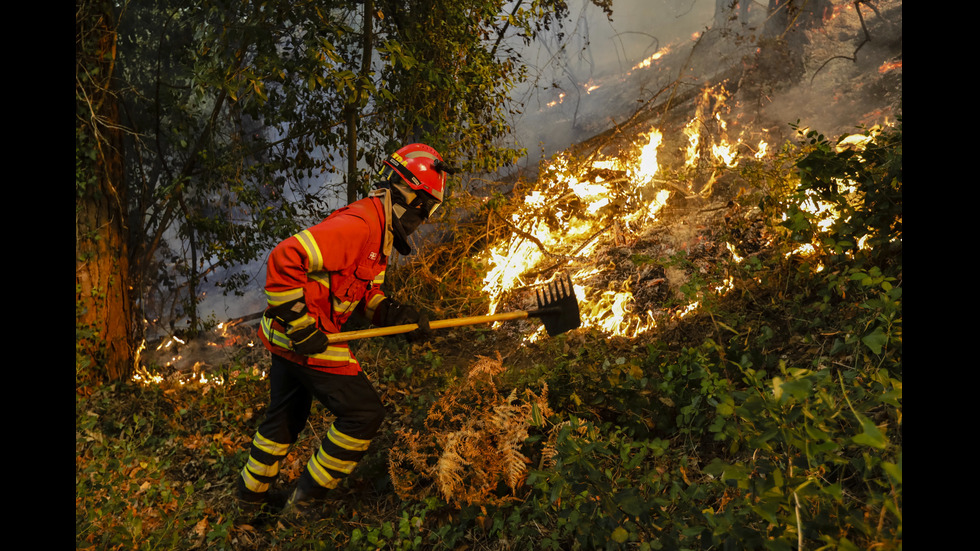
(315, 280)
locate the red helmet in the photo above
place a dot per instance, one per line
(420, 166)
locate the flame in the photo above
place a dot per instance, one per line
(589, 204)
(649, 60)
(826, 214)
(648, 166)
(612, 311)
(707, 134)
(834, 11)
(533, 241)
(188, 363)
(561, 98)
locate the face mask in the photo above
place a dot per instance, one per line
(404, 222)
(409, 219)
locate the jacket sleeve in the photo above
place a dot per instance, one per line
(300, 265)
(373, 298)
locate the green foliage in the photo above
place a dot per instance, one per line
(757, 438)
(859, 178)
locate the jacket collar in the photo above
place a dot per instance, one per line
(389, 238)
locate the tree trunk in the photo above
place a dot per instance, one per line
(104, 326)
(354, 189)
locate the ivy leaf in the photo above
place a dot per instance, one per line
(894, 471)
(871, 435)
(631, 504)
(875, 340)
(797, 389)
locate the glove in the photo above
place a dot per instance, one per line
(423, 333)
(287, 312)
(391, 312)
(308, 340)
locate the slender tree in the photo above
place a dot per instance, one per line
(105, 341)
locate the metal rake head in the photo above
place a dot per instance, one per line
(557, 306)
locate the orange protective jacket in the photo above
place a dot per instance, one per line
(336, 267)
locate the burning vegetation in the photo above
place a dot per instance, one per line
(604, 215)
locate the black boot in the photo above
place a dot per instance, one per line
(254, 506)
(306, 501)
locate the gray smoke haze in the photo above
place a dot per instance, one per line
(579, 83)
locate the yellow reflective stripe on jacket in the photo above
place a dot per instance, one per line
(334, 353)
(337, 353)
(275, 337)
(347, 442)
(342, 307)
(333, 463)
(275, 298)
(379, 279)
(305, 238)
(300, 323)
(268, 446)
(323, 278)
(372, 305)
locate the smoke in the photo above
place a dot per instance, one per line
(589, 80)
(582, 81)
(852, 72)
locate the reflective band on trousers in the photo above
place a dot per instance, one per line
(252, 484)
(320, 475)
(347, 442)
(255, 468)
(262, 469)
(334, 464)
(268, 446)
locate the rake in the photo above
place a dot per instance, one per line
(557, 309)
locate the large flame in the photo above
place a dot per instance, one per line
(574, 208)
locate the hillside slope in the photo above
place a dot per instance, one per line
(737, 381)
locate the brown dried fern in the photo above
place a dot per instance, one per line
(473, 443)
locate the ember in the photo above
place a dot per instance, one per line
(889, 66)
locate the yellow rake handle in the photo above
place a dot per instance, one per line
(345, 336)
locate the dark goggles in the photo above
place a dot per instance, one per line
(425, 203)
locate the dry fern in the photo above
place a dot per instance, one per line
(473, 444)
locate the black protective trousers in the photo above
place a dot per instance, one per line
(293, 387)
